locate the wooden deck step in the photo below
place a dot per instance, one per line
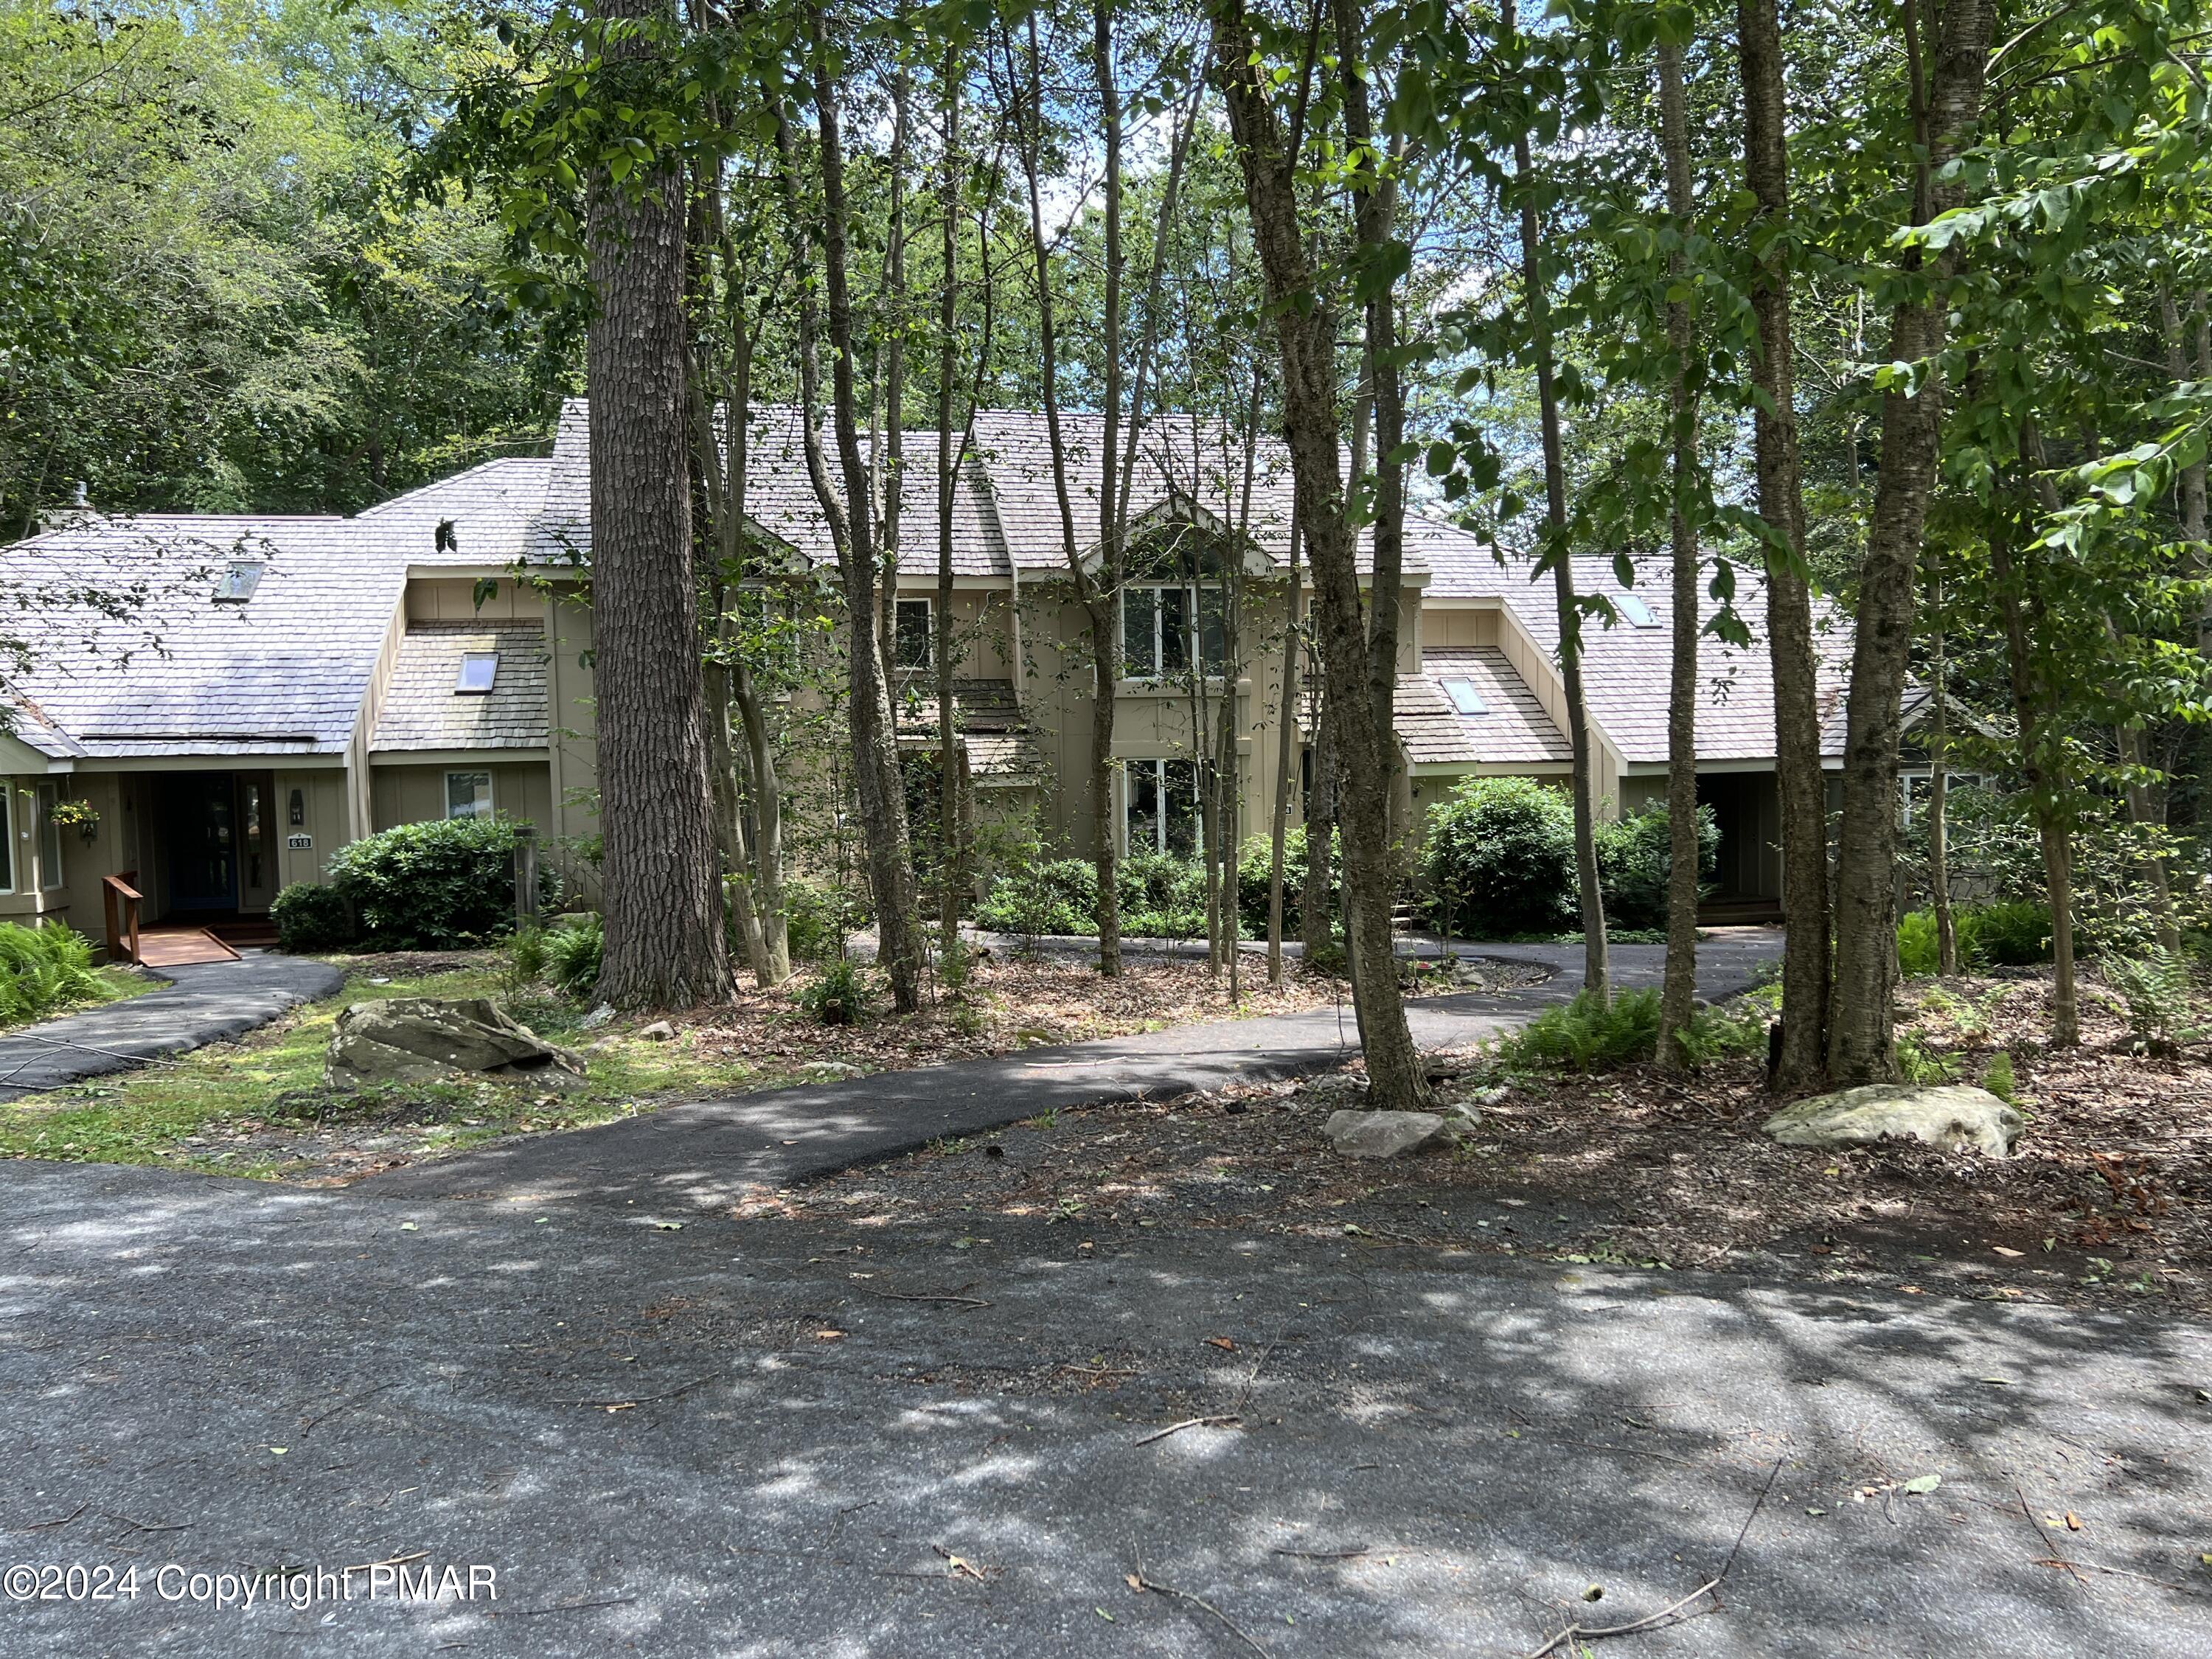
(180, 947)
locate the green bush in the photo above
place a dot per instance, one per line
(2011, 933)
(437, 885)
(840, 996)
(310, 916)
(1733, 1028)
(1587, 1035)
(1499, 859)
(525, 958)
(42, 968)
(573, 948)
(1254, 865)
(1163, 896)
(816, 918)
(1634, 857)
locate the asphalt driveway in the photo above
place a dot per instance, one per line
(770, 1438)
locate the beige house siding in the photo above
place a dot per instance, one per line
(410, 792)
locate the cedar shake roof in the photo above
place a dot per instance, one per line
(181, 672)
(1515, 730)
(1625, 667)
(988, 719)
(421, 710)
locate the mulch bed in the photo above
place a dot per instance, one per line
(2108, 1197)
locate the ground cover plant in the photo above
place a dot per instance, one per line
(47, 969)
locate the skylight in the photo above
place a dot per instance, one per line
(1464, 698)
(236, 585)
(477, 670)
(1635, 610)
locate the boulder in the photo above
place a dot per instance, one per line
(660, 1031)
(1383, 1134)
(1951, 1114)
(425, 1040)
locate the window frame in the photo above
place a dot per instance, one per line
(1193, 631)
(461, 686)
(490, 807)
(899, 657)
(8, 883)
(51, 875)
(1155, 766)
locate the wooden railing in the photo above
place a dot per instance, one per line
(117, 891)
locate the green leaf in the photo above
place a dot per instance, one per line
(1922, 1483)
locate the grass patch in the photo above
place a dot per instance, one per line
(233, 1108)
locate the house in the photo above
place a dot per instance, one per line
(233, 698)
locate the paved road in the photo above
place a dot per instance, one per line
(706, 1155)
(204, 1002)
(1436, 1456)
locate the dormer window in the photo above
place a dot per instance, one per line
(478, 670)
(236, 585)
(1635, 610)
(1464, 698)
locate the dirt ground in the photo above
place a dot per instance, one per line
(2108, 1195)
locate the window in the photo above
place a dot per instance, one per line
(913, 642)
(1635, 610)
(478, 670)
(468, 795)
(1914, 790)
(1158, 632)
(236, 585)
(1464, 698)
(6, 839)
(1161, 813)
(50, 837)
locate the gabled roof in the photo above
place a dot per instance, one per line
(182, 672)
(483, 517)
(1625, 667)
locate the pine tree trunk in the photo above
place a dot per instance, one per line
(1800, 785)
(1286, 756)
(663, 915)
(1679, 988)
(1861, 1045)
(1305, 340)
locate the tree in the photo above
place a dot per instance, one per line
(664, 917)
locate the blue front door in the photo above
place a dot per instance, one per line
(202, 835)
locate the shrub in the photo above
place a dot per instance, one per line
(1499, 859)
(310, 916)
(525, 957)
(1058, 896)
(1254, 865)
(1919, 952)
(1916, 1062)
(573, 948)
(817, 916)
(840, 996)
(1163, 896)
(1732, 1028)
(42, 968)
(1587, 1035)
(2012, 934)
(1634, 857)
(431, 886)
(2157, 996)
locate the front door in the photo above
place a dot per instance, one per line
(202, 825)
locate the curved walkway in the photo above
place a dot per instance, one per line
(704, 1156)
(203, 1003)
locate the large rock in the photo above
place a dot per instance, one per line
(1382, 1134)
(423, 1040)
(1949, 1114)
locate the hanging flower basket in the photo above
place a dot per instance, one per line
(78, 814)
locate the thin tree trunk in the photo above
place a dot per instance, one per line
(1801, 786)
(878, 785)
(951, 847)
(889, 460)
(2181, 335)
(663, 914)
(1285, 754)
(1679, 988)
(1596, 971)
(1862, 1045)
(1317, 927)
(2047, 781)
(1305, 340)
(1939, 797)
(1097, 602)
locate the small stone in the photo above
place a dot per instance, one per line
(660, 1031)
(1337, 1088)
(1381, 1134)
(1948, 1115)
(598, 1017)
